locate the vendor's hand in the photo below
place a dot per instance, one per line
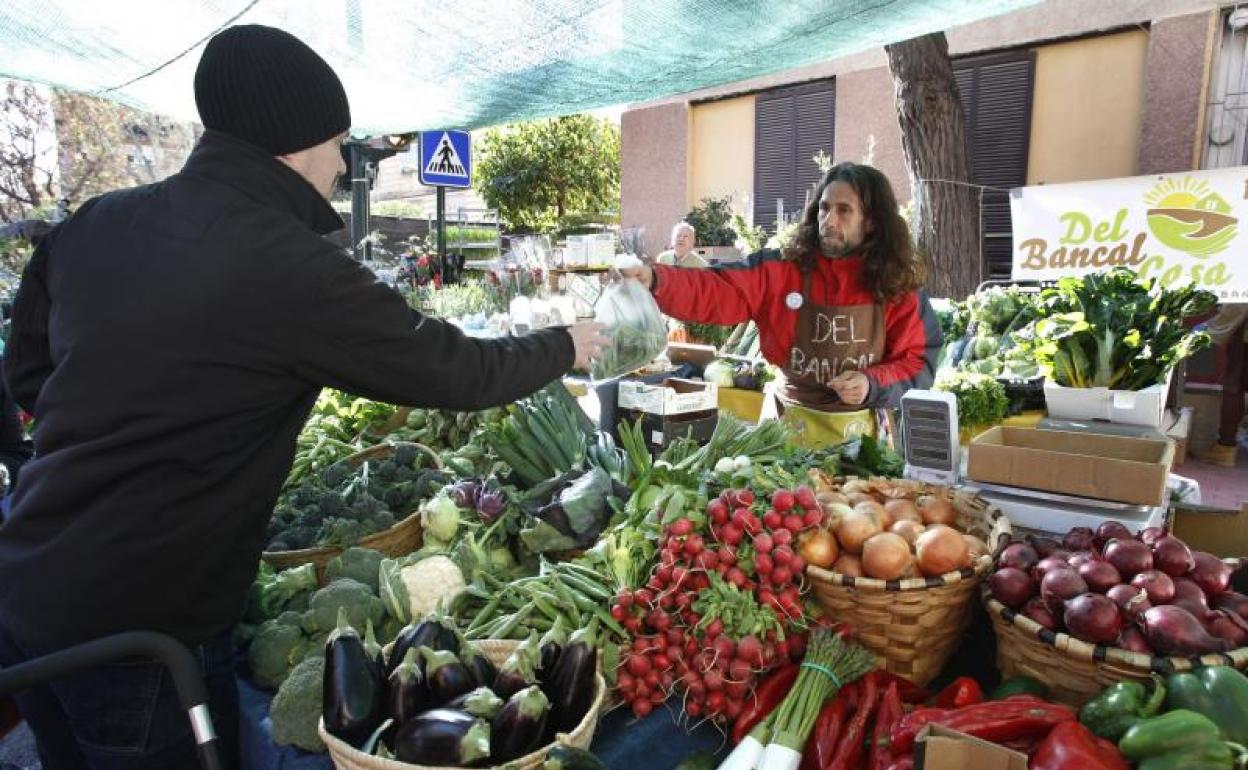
(852, 387)
(588, 340)
(643, 273)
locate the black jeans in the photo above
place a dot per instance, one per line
(126, 715)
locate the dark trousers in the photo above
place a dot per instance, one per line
(126, 715)
(1234, 384)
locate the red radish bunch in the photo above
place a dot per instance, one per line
(745, 551)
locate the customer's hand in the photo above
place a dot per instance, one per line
(588, 340)
(852, 387)
(643, 273)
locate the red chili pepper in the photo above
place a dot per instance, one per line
(909, 691)
(827, 733)
(905, 763)
(1071, 746)
(963, 691)
(1021, 717)
(767, 696)
(880, 754)
(849, 753)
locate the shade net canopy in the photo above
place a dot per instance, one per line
(426, 64)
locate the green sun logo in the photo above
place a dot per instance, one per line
(1187, 216)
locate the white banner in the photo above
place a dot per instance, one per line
(1174, 227)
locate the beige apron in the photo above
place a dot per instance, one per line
(829, 341)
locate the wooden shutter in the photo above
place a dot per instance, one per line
(996, 92)
(790, 126)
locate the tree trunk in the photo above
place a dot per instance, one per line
(946, 216)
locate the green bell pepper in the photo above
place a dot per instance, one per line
(1218, 692)
(1169, 732)
(1020, 685)
(1206, 755)
(1120, 706)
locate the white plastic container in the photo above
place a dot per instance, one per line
(1128, 407)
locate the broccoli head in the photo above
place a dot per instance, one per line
(381, 522)
(366, 507)
(296, 708)
(275, 650)
(305, 495)
(336, 475)
(385, 470)
(332, 504)
(293, 539)
(406, 455)
(341, 533)
(271, 590)
(405, 473)
(360, 602)
(357, 563)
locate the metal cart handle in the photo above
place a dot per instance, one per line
(177, 658)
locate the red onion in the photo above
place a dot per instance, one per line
(1108, 531)
(1082, 558)
(1189, 596)
(1046, 564)
(1129, 557)
(1060, 553)
(1131, 600)
(1045, 546)
(1210, 573)
(1061, 584)
(1133, 639)
(1035, 609)
(1172, 556)
(1018, 555)
(1157, 584)
(1235, 602)
(1172, 630)
(1099, 575)
(1078, 539)
(1229, 626)
(1012, 587)
(1093, 618)
(1150, 535)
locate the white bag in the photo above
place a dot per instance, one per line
(634, 325)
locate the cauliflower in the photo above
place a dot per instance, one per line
(412, 587)
(296, 708)
(359, 601)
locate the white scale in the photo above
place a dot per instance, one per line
(934, 455)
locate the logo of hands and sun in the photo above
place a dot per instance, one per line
(1189, 217)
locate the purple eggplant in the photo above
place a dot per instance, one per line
(571, 686)
(482, 668)
(434, 631)
(519, 728)
(443, 738)
(407, 694)
(446, 676)
(519, 670)
(551, 647)
(481, 702)
(353, 701)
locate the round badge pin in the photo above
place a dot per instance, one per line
(793, 300)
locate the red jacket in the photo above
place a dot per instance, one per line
(755, 288)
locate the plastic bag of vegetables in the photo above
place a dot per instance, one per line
(633, 324)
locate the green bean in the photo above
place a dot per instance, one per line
(486, 613)
(586, 588)
(513, 620)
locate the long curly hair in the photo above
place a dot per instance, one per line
(892, 267)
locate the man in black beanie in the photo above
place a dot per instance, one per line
(170, 341)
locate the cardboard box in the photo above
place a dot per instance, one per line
(942, 748)
(1220, 531)
(1130, 407)
(672, 396)
(697, 356)
(661, 430)
(1127, 470)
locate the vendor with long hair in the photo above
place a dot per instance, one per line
(841, 311)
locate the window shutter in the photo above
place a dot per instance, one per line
(996, 92)
(790, 126)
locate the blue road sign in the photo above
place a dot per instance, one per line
(446, 158)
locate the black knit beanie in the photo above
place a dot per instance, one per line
(267, 87)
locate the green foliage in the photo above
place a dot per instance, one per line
(296, 708)
(535, 173)
(752, 238)
(997, 309)
(712, 222)
(271, 591)
(459, 299)
(981, 399)
(1115, 330)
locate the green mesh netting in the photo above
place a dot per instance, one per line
(463, 63)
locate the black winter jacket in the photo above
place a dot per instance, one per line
(170, 341)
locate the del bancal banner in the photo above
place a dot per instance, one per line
(1174, 227)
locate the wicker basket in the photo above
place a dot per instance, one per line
(347, 758)
(1074, 670)
(913, 626)
(400, 540)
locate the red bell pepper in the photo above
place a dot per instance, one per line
(1071, 746)
(963, 691)
(1020, 717)
(880, 755)
(767, 696)
(827, 733)
(909, 691)
(849, 753)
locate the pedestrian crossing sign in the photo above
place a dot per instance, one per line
(446, 158)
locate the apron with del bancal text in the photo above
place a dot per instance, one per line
(830, 340)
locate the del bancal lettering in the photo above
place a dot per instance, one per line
(824, 370)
